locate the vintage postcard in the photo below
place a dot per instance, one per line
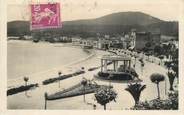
(94, 55)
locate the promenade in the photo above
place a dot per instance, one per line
(35, 98)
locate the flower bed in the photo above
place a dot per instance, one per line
(21, 89)
(52, 80)
(93, 68)
(75, 90)
(115, 76)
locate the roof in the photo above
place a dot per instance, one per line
(116, 57)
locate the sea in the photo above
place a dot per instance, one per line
(25, 57)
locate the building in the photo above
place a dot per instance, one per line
(65, 39)
(76, 41)
(103, 43)
(156, 38)
(86, 43)
(129, 40)
(142, 38)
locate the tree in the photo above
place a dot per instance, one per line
(175, 69)
(84, 83)
(171, 77)
(105, 95)
(26, 79)
(168, 65)
(157, 78)
(135, 90)
(148, 44)
(157, 49)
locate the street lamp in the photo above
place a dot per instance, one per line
(26, 79)
(59, 73)
(83, 69)
(84, 82)
(45, 95)
(109, 77)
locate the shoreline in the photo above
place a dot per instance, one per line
(37, 76)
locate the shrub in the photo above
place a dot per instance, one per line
(92, 69)
(20, 89)
(169, 104)
(52, 80)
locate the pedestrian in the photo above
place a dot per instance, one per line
(94, 106)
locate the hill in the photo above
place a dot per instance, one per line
(115, 23)
(121, 18)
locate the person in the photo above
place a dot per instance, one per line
(94, 106)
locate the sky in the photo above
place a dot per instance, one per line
(168, 10)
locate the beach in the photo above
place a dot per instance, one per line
(32, 60)
(35, 98)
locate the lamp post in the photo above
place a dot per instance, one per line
(26, 79)
(109, 77)
(59, 73)
(83, 69)
(46, 95)
(84, 83)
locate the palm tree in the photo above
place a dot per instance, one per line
(104, 96)
(175, 69)
(157, 78)
(59, 73)
(135, 90)
(84, 83)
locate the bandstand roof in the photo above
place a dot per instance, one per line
(116, 57)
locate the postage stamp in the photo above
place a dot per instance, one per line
(45, 16)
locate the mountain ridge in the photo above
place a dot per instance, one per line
(115, 22)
